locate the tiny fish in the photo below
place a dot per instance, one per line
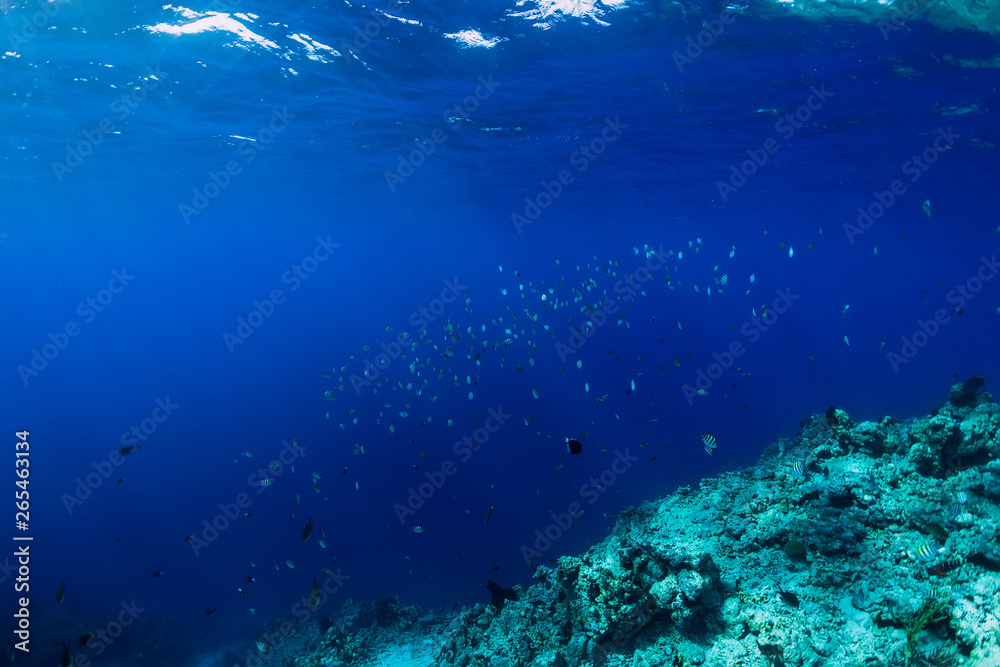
(926, 553)
(798, 469)
(709, 440)
(307, 531)
(791, 599)
(314, 594)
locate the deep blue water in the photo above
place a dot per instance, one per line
(342, 122)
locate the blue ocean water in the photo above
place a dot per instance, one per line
(217, 215)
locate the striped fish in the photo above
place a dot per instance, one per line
(709, 440)
(798, 469)
(926, 553)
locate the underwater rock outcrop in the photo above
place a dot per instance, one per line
(871, 543)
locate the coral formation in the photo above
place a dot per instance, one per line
(878, 549)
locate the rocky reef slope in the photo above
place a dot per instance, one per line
(872, 543)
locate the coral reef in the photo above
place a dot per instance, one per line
(871, 543)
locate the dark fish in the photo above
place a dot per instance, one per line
(66, 659)
(314, 594)
(791, 599)
(489, 513)
(250, 580)
(209, 610)
(308, 530)
(125, 451)
(573, 446)
(651, 459)
(61, 593)
(500, 595)
(945, 567)
(831, 416)
(158, 573)
(85, 638)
